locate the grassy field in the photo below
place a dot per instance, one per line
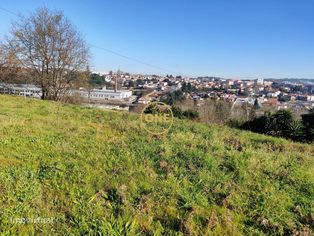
(94, 172)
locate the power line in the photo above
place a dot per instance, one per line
(113, 52)
(8, 11)
(132, 59)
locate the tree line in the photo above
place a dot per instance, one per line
(281, 124)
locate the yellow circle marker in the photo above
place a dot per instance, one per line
(157, 118)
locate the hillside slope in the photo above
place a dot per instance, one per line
(94, 172)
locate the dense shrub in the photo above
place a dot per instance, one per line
(308, 123)
(281, 124)
(171, 98)
(187, 114)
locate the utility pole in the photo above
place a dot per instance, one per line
(116, 81)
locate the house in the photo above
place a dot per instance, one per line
(145, 100)
(273, 94)
(271, 101)
(309, 98)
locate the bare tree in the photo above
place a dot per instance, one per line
(10, 71)
(50, 48)
(3, 62)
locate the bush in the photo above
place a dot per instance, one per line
(308, 124)
(282, 124)
(177, 112)
(187, 114)
(234, 123)
(191, 114)
(258, 125)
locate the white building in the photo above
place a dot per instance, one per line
(27, 90)
(240, 100)
(273, 94)
(107, 94)
(259, 81)
(145, 100)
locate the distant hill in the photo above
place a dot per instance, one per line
(295, 80)
(94, 172)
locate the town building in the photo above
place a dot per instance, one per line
(27, 90)
(106, 94)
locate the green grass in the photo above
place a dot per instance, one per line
(99, 173)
